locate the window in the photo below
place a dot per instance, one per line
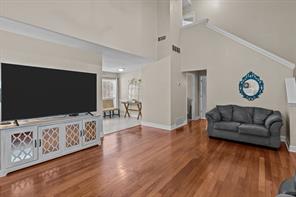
(109, 90)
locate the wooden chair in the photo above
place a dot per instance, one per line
(109, 109)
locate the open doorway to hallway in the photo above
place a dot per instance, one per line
(196, 93)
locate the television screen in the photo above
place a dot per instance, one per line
(32, 92)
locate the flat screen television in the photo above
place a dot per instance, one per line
(33, 92)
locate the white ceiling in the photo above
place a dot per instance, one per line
(112, 64)
(112, 59)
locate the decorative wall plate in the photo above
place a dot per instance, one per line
(251, 86)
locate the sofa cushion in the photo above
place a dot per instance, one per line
(260, 115)
(214, 114)
(225, 111)
(253, 129)
(227, 126)
(242, 114)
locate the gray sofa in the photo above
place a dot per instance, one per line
(245, 124)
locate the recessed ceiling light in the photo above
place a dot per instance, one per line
(120, 69)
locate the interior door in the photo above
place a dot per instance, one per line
(21, 146)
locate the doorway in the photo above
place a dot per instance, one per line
(196, 94)
(202, 96)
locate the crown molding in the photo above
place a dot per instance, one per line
(243, 42)
(249, 45)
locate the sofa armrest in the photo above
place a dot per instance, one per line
(273, 118)
(275, 128)
(213, 115)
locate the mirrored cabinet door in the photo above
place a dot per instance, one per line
(21, 146)
(49, 140)
(90, 134)
(73, 134)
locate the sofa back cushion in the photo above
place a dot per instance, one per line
(260, 115)
(225, 111)
(242, 114)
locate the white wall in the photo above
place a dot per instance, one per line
(27, 51)
(129, 26)
(156, 93)
(164, 97)
(226, 63)
(163, 28)
(268, 24)
(178, 79)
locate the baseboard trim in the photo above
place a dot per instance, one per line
(173, 127)
(156, 125)
(163, 126)
(288, 146)
(196, 118)
(292, 149)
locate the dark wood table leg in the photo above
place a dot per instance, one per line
(128, 111)
(140, 110)
(126, 106)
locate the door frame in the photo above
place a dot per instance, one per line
(202, 106)
(193, 92)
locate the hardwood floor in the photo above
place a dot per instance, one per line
(144, 161)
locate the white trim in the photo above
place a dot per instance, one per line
(163, 126)
(252, 46)
(284, 140)
(289, 147)
(292, 149)
(174, 126)
(291, 90)
(156, 125)
(243, 42)
(193, 68)
(193, 99)
(196, 118)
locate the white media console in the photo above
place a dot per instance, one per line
(36, 141)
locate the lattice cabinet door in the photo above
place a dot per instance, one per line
(50, 141)
(90, 131)
(72, 135)
(21, 146)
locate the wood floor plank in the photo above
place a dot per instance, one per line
(144, 161)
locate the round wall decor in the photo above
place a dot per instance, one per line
(251, 86)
